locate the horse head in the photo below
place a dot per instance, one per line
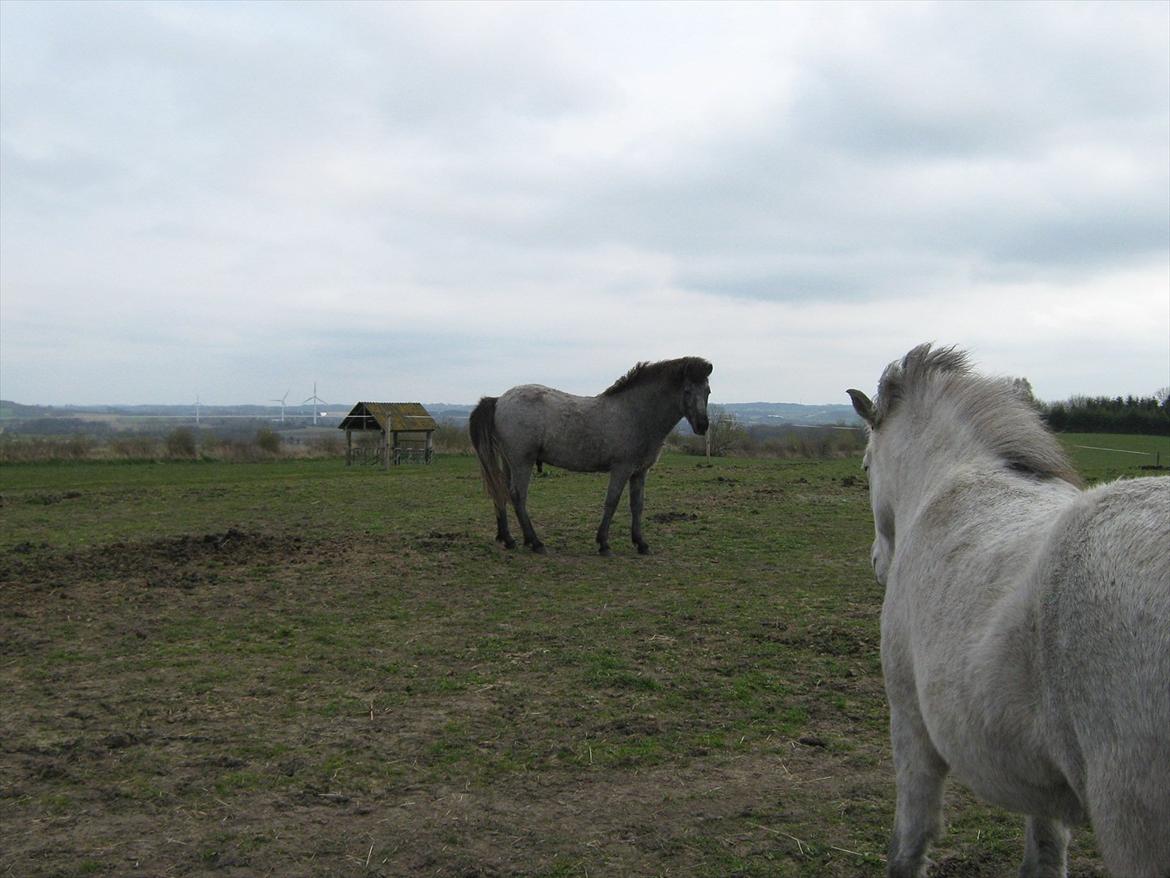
(879, 470)
(696, 390)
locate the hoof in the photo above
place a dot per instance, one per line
(538, 548)
(604, 551)
(643, 549)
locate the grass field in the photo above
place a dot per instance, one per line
(292, 668)
(1109, 456)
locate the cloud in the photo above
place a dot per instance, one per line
(445, 198)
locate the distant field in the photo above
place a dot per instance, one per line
(294, 668)
(1104, 456)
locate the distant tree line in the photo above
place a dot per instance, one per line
(1149, 415)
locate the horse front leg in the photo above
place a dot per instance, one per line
(1045, 849)
(919, 772)
(519, 494)
(637, 504)
(617, 482)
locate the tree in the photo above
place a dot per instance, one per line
(724, 433)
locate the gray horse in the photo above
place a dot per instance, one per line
(620, 432)
(1026, 623)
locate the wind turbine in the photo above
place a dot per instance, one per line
(281, 401)
(197, 410)
(316, 400)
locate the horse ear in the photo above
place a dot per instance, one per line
(863, 406)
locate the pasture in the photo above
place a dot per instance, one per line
(294, 668)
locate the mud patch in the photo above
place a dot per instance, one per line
(437, 540)
(669, 517)
(50, 499)
(769, 492)
(29, 563)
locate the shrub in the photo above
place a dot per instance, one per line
(37, 449)
(268, 441)
(326, 446)
(450, 438)
(181, 443)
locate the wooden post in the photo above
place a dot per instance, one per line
(348, 447)
(385, 452)
(430, 445)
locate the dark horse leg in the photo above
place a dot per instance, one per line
(637, 503)
(519, 492)
(617, 482)
(502, 533)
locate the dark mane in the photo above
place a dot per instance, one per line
(1003, 420)
(663, 370)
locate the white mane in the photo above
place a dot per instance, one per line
(992, 408)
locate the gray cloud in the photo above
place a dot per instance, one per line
(488, 188)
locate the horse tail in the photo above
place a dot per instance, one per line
(482, 426)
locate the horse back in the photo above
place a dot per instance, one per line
(559, 428)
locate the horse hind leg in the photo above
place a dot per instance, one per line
(1045, 849)
(500, 502)
(1130, 823)
(519, 495)
(637, 504)
(502, 533)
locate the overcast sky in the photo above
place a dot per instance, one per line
(436, 202)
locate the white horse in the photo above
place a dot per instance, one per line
(1026, 624)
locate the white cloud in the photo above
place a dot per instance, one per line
(228, 199)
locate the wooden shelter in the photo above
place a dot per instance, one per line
(407, 432)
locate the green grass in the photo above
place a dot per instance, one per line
(358, 678)
(1103, 457)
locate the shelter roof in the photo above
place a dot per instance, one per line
(394, 417)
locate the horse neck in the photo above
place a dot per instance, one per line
(938, 453)
(658, 406)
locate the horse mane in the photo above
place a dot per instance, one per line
(1003, 419)
(669, 370)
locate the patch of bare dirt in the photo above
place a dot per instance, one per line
(673, 516)
(30, 563)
